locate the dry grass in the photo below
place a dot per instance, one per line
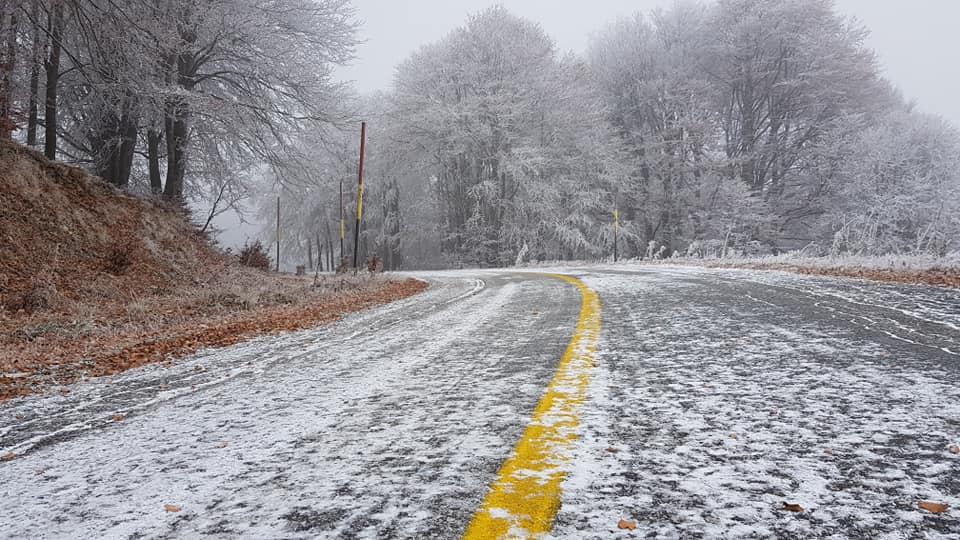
(918, 269)
(94, 281)
(93, 338)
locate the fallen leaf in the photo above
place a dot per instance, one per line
(626, 524)
(733, 436)
(774, 412)
(954, 449)
(118, 417)
(198, 368)
(613, 450)
(792, 507)
(8, 456)
(827, 451)
(171, 508)
(934, 507)
(222, 444)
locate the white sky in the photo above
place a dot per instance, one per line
(917, 40)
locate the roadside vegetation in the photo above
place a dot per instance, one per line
(94, 281)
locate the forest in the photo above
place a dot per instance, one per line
(711, 129)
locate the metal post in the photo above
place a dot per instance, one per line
(356, 234)
(278, 233)
(342, 227)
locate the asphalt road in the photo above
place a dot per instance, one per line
(712, 398)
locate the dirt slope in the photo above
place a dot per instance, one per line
(67, 236)
(94, 281)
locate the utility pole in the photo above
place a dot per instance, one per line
(278, 233)
(356, 234)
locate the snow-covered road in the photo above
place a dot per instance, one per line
(716, 396)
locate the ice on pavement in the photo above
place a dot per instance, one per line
(718, 396)
(393, 430)
(707, 415)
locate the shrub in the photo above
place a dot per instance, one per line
(119, 258)
(39, 296)
(255, 256)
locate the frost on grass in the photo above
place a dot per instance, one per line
(708, 415)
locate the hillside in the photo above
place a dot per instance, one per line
(94, 281)
(70, 237)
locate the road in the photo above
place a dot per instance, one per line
(704, 401)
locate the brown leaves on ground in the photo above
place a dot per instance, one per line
(792, 507)
(954, 449)
(935, 507)
(94, 281)
(171, 508)
(124, 341)
(8, 456)
(940, 277)
(118, 417)
(626, 524)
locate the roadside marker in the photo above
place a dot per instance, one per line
(523, 499)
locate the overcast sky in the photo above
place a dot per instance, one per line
(917, 40)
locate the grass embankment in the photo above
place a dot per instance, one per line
(94, 281)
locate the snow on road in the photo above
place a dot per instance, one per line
(717, 396)
(394, 433)
(723, 395)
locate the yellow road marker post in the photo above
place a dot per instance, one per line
(524, 498)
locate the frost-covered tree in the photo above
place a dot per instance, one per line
(181, 97)
(900, 194)
(512, 139)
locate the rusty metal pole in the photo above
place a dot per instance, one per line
(356, 234)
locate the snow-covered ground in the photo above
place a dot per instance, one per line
(717, 396)
(389, 424)
(722, 395)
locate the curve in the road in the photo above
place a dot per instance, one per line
(525, 496)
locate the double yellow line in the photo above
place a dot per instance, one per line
(524, 498)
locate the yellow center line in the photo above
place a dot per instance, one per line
(524, 497)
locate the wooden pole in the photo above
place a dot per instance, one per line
(342, 227)
(278, 233)
(356, 234)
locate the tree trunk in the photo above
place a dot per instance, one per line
(153, 159)
(118, 140)
(33, 109)
(310, 252)
(176, 126)
(8, 61)
(330, 263)
(53, 79)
